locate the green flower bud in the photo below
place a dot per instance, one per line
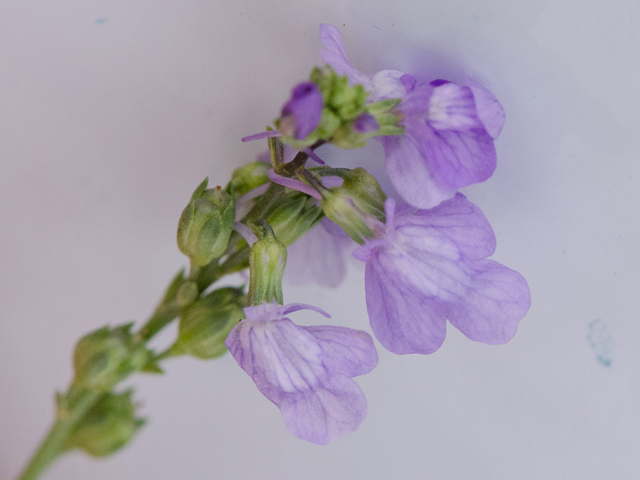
(205, 324)
(294, 216)
(267, 260)
(357, 206)
(107, 426)
(104, 357)
(206, 224)
(248, 177)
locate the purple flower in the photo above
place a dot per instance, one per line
(450, 128)
(301, 114)
(428, 266)
(305, 371)
(448, 142)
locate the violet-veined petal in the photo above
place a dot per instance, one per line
(319, 256)
(462, 222)
(489, 109)
(410, 174)
(335, 55)
(350, 352)
(452, 107)
(490, 310)
(402, 320)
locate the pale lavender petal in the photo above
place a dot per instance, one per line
(410, 174)
(402, 320)
(289, 366)
(386, 84)
(462, 222)
(454, 159)
(319, 256)
(488, 108)
(350, 352)
(335, 55)
(490, 310)
(452, 107)
(293, 183)
(323, 415)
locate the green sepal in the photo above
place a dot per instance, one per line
(357, 206)
(246, 178)
(267, 260)
(205, 324)
(206, 224)
(294, 216)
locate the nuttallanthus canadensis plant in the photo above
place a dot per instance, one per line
(425, 254)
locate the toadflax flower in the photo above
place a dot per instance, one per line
(305, 371)
(449, 128)
(430, 266)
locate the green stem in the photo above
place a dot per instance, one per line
(163, 315)
(54, 444)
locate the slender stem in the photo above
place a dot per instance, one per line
(54, 444)
(163, 315)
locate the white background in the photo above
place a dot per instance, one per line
(111, 112)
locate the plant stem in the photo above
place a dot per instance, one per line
(54, 444)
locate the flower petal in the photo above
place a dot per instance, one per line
(386, 84)
(290, 367)
(462, 222)
(350, 352)
(452, 107)
(494, 304)
(454, 159)
(402, 320)
(411, 174)
(335, 55)
(322, 415)
(319, 256)
(489, 109)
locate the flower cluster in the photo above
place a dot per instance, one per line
(425, 255)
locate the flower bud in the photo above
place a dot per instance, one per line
(357, 206)
(248, 177)
(294, 216)
(301, 114)
(107, 355)
(206, 224)
(107, 426)
(205, 324)
(267, 260)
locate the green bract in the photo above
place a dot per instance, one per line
(206, 224)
